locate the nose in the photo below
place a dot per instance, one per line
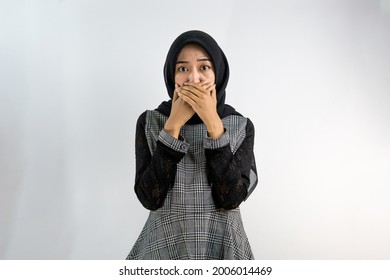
(194, 76)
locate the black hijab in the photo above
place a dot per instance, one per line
(221, 69)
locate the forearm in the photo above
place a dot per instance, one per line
(233, 175)
(229, 185)
(157, 177)
(214, 127)
(155, 174)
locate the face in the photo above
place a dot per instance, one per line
(194, 65)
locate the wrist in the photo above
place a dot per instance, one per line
(172, 129)
(215, 129)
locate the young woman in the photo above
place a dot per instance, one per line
(194, 160)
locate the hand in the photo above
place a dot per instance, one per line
(202, 97)
(181, 112)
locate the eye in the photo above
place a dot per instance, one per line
(205, 67)
(182, 69)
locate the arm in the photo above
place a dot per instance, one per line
(155, 174)
(230, 173)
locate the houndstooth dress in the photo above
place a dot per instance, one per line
(188, 225)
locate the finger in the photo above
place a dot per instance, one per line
(199, 89)
(207, 87)
(197, 85)
(192, 90)
(210, 86)
(214, 92)
(188, 94)
(187, 99)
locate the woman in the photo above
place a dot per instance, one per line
(194, 160)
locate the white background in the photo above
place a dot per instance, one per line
(313, 76)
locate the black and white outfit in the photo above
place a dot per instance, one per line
(194, 185)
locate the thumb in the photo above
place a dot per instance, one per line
(174, 98)
(175, 93)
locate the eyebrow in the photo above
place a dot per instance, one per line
(200, 59)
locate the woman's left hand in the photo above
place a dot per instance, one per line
(202, 97)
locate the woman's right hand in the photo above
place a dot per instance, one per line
(181, 112)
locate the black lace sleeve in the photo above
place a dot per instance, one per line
(233, 176)
(154, 174)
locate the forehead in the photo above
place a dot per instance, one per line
(192, 50)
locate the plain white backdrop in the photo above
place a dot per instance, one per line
(313, 76)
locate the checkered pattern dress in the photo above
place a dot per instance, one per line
(188, 225)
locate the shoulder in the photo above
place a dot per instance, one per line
(241, 123)
(151, 121)
(249, 125)
(142, 117)
(141, 120)
(249, 128)
(238, 121)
